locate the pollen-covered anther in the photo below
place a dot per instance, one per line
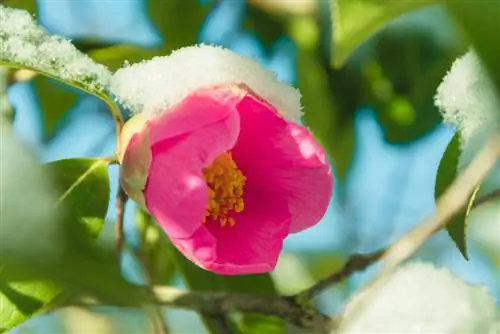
(225, 190)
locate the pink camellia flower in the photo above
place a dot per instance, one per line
(217, 157)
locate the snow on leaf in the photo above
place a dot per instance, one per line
(24, 44)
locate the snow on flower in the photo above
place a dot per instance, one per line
(218, 159)
(421, 298)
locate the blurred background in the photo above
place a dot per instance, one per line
(375, 116)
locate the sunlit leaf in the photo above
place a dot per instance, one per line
(115, 57)
(354, 21)
(480, 20)
(28, 5)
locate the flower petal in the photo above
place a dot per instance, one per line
(253, 245)
(176, 193)
(284, 159)
(200, 108)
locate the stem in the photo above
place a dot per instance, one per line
(121, 201)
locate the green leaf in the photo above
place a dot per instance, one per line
(28, 5)
(114, 57)
(480, 20)
(21, 300)
(155, 249)
(446, 174)
(267, 26)
(52, 56)
(54, 99)
(83, 188)
(83, 185)
(179, 21)
(354, 21)
(326, 97)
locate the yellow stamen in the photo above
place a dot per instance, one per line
(225, 190)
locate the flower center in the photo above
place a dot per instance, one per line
(225, 189)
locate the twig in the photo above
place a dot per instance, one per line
(121, 200)
(359, 262)
(356, 262)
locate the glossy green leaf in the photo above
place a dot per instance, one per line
(179, 21)
(83, 188)
(480, 20)
(54, 100)
(354, 21)
(53, 57)
(446, 174)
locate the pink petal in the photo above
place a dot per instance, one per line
(284, 160)
(253, 245)
(176, 193)
(201, 108)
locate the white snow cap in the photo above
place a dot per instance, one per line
(421, 298)
(467, 98)
(155, 85)
(26, 45)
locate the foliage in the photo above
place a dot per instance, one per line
(351, 57)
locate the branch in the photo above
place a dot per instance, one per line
(448, 205)
(217, 303)
(465, 185)
(221, 302)
(356, 262)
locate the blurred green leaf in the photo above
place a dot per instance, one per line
(328, 97)
(154, 250)
(354, 21)
(54, 99)
(179, 21)
(28, 5)
(480, 20)
(114, 57)
(267, 26)
(446, 174)
(83, 195)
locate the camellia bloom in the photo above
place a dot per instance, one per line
(217, 157)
